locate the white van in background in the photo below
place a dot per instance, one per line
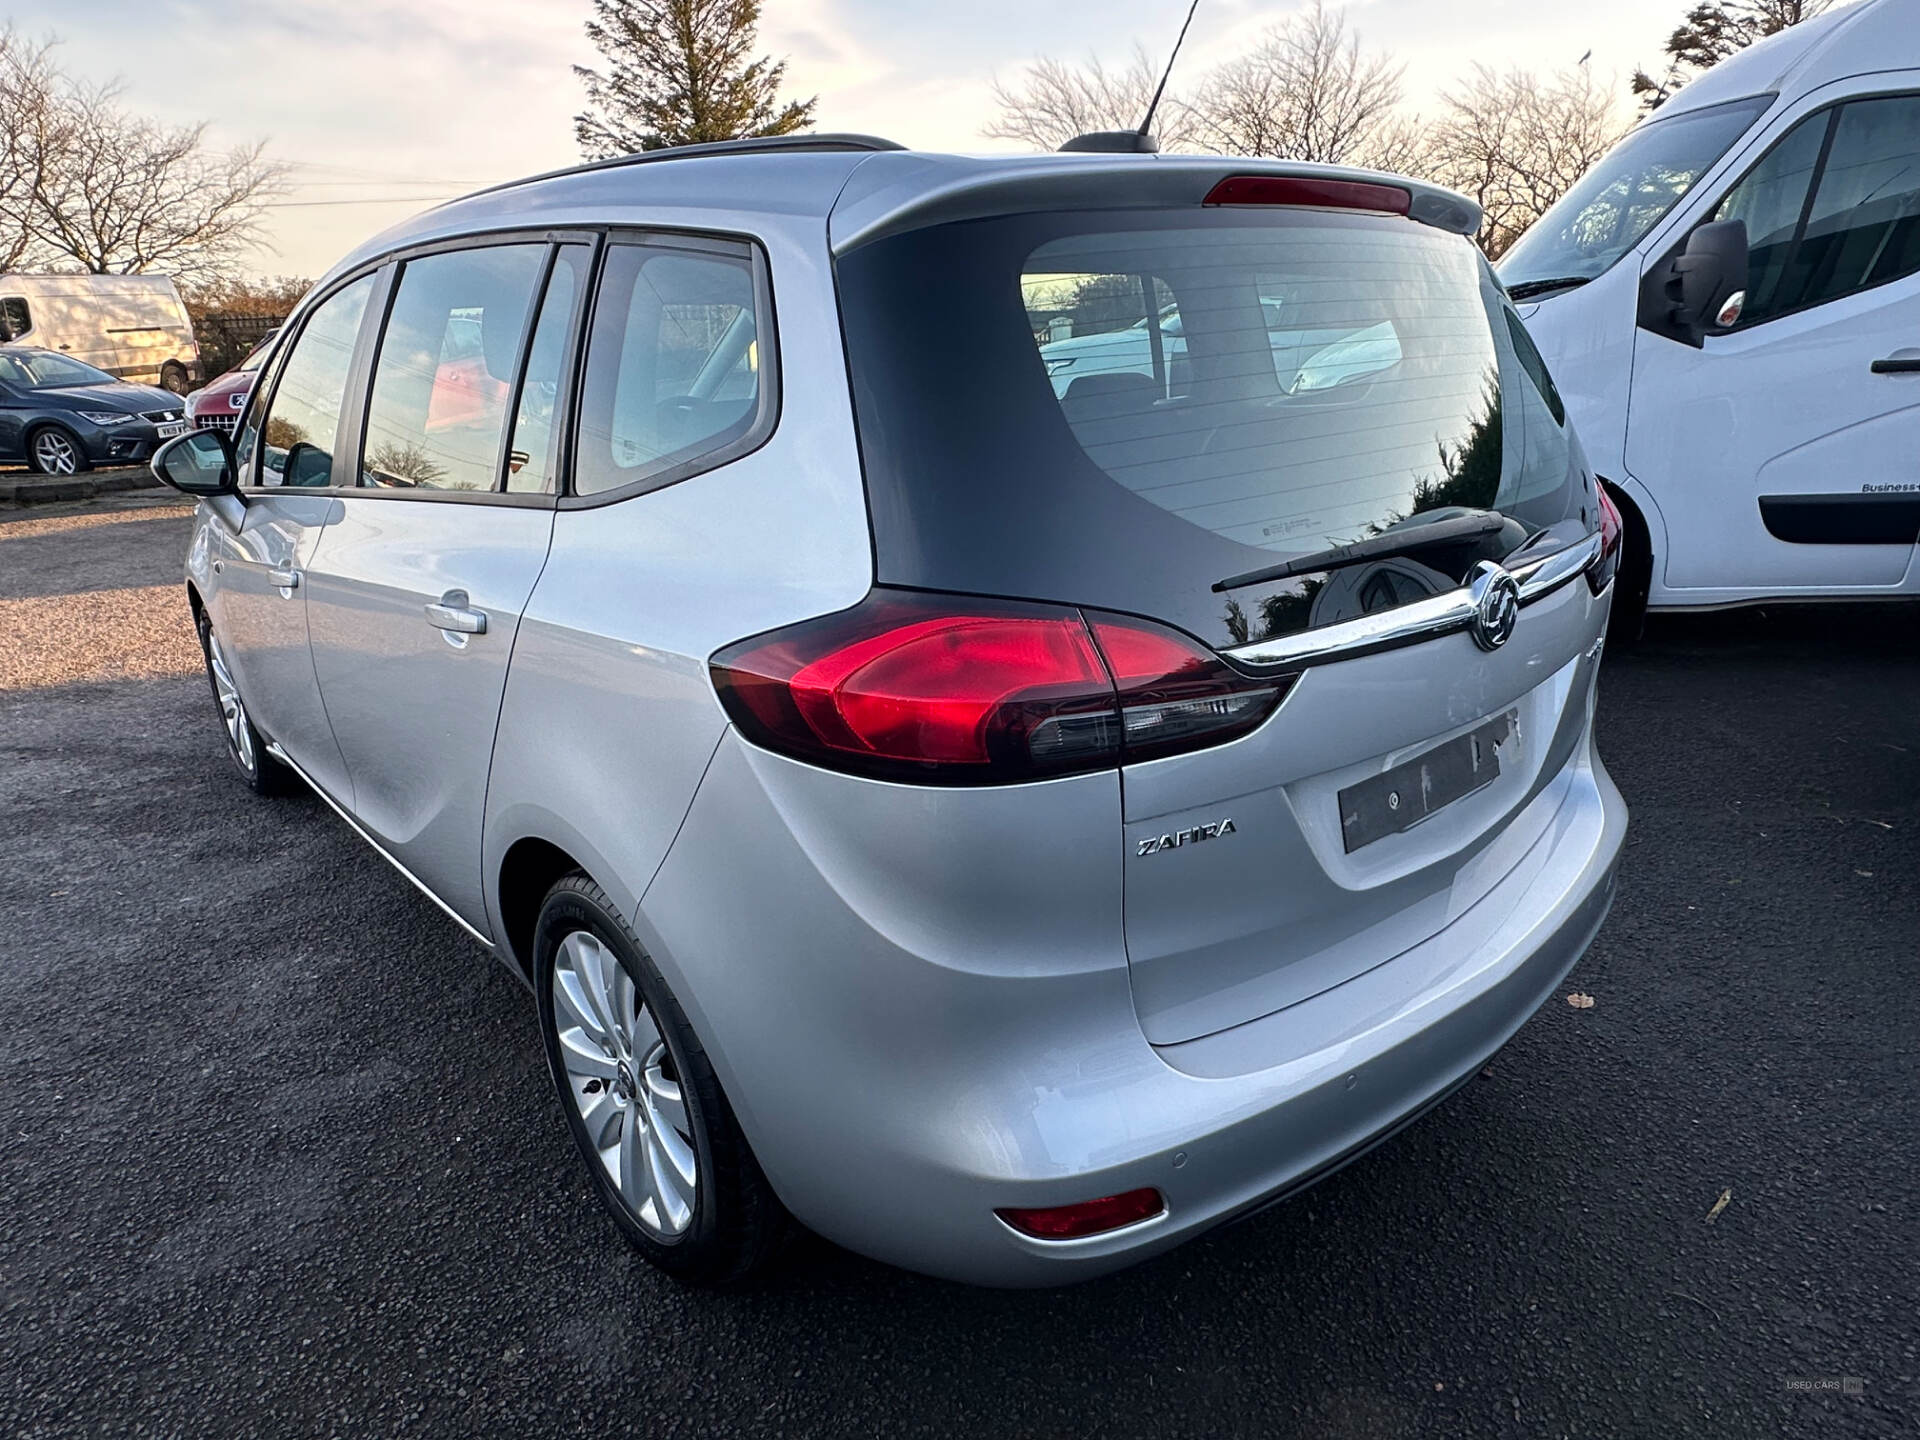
(134, 327)
(1729, 302)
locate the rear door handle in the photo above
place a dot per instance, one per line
(454, 614)
(287, 580)
(1901, 362)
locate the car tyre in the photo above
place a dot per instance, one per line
(56, 450)
(246, 747)
(663, 1151)
(173, 377)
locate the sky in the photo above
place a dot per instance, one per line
(384, 107)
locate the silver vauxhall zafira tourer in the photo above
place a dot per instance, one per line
(1007, 710)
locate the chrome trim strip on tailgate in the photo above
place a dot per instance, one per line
(1422, 620)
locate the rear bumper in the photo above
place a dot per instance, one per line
(896, 1096)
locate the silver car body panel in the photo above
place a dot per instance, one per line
(413, 706)
(1224, 932)
(964, 962)
(610, 672)
(249, 551)
(981, 1008)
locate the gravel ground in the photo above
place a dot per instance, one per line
(280, 1156)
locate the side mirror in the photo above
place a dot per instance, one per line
(1699, 291)
(200, 464)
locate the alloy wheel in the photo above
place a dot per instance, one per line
(232, 712)
(55, 454)
(625, 1086)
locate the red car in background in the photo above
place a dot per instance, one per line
(217, 404)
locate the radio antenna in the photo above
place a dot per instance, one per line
(1147, 124)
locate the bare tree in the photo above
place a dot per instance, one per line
(32, 125)
(1055, 101)
(1307, 91)
(88, 185)
(1714, 30)
(678, 73)
(1516, 143)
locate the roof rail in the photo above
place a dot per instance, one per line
(754, 145)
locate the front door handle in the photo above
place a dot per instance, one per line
(287, 580)
(1901, 362)
(454, 614)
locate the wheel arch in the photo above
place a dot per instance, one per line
(530, 868)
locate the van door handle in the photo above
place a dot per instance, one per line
(1901, 362)
(452, 613)
(287, 580)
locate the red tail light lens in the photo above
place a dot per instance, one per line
(1174, 695)
(1612, 531)
(951, 690)
(1089, 1217)
(1309, 190)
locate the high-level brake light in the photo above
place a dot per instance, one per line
(1310, 190)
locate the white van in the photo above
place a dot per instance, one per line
(133, 327)
(1751, 389)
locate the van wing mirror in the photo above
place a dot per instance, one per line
(199, 463)
(1698, 292)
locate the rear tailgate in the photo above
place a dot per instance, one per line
(1317, 433)
(1281, 908)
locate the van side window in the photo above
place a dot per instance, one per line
(15, 319)
(1864, 227)
(444, 377)
(1770, 198)
(1819, 229)
(676, 372)
(302, 419)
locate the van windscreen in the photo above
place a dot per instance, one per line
(1120, 408)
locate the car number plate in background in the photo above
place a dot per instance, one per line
(1402, 797)
(173, 428)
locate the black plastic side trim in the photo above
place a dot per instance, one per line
(1843, 519)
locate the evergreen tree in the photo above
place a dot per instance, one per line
(1714, 30)
(678, 73)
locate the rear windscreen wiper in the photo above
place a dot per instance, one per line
(1391, 542)
(1527, 289)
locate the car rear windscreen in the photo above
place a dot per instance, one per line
(1119, 408)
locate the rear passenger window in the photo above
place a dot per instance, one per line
(676, 372)
(443, 382)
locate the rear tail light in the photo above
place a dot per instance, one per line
(1089, 1217)
(953, 690)
(1612, 531)
(1310, 190)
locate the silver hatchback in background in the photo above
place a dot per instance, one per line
(1006, 804)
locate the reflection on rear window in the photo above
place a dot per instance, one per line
(1120, 408)
(1292, 395)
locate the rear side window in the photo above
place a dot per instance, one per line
(443, 381)
(302, 419)
(1306, 379)
(677, 372)
(15, 319)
